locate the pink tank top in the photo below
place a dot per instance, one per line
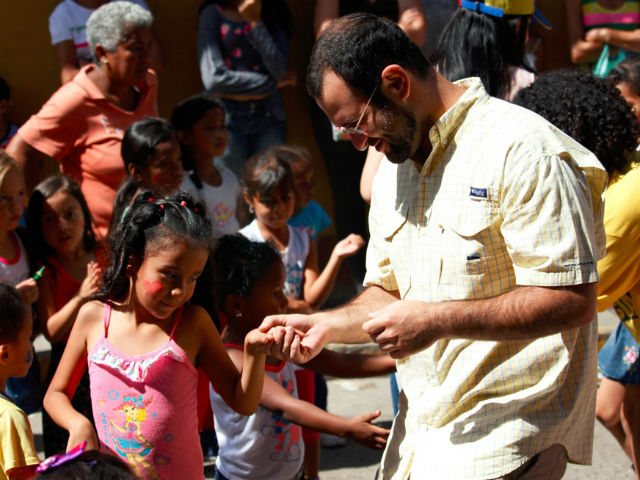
(144, 407)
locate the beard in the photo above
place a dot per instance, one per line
(402, 127)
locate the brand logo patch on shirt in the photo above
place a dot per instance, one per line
(479, 193)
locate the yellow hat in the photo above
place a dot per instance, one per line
(499, 8)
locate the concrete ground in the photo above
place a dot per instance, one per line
(355, 462)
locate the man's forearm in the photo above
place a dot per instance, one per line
(523, 313)
(345, 322)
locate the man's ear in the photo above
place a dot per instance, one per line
(395, 83)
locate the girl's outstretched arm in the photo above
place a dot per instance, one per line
(240, 389)
(57, 401)
(317, 287)
(359, 428)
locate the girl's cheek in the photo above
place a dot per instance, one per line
(152, 288)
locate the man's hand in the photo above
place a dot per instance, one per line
(401, 328)
(282, 344)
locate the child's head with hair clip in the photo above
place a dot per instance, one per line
(248, 281)
(268, 188)
(160, 247)
(87, 465)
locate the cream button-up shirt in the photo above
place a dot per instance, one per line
(504, 200)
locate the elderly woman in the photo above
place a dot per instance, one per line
(82, 124)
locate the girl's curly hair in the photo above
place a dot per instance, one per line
(588, 109)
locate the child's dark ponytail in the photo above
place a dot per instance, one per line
(151, 223)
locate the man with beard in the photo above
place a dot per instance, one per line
(486, 226)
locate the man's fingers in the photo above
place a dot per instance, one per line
(271, 321)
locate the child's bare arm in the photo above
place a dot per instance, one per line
(56, 324)
(359, 428)
(317, 287)
(239, 388)
(57, 401)
(351, 365)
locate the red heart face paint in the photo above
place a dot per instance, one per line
(152, 288)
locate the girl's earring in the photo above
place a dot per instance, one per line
(105, 60)
(238, 314)
(251, 209)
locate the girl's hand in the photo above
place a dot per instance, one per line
(599, 35)
(29, 290)
(285, 343)
(251, 10)
(348, 246)
(80, 431)
(92, 282)
(364, 432)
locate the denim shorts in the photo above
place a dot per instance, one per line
(619, 357)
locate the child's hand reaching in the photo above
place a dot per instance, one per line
(364, 432)
(92, 282)
(29, 290)
(348, 246)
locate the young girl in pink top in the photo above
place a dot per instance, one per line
(143, 346)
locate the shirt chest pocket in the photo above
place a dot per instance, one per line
(469, 244)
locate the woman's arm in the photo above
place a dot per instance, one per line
(277, 399)
(57, 400)
(411, 19)
(582, 51)
(30, 160)
(216, 77)
(240, 390)
(351, 365)
(318, 287)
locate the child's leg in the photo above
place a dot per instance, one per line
(306, 391)
(631, 423)
(608, 408)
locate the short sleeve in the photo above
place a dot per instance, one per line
(59, 27)
(548, 222)
(382, 222)
(16, 440)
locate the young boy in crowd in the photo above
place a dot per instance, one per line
(18, 457)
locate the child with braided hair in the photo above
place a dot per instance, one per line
(140, 340)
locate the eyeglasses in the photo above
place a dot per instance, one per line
(355, 134)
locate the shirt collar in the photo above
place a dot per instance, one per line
(83, 81)
(447, 125)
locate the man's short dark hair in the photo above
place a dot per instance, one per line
(357, 48)
(13, 312)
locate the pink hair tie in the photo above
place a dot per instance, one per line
(183, 203)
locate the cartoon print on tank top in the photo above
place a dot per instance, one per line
(286, 432)
(127, 438)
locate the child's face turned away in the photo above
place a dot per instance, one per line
(266, 297)
(208, 138)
